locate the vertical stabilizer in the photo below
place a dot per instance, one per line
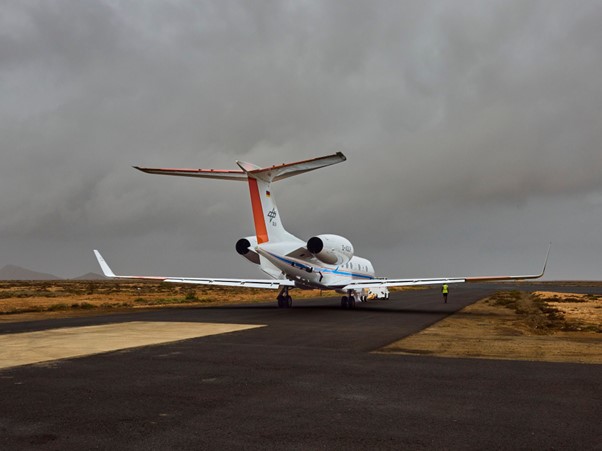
(268, 224)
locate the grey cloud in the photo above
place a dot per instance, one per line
(446, 111)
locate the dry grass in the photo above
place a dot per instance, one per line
(32, 300)
(519, 326)
(48, 296)
(581, 311)
(29, 300)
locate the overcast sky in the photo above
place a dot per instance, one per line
(472, 129)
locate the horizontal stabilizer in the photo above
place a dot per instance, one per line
(222, 174)
(269, 174)
(282, 171)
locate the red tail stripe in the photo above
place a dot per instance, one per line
(260, 229)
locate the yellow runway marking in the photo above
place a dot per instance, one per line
(54, 344)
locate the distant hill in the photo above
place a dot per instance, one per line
(90, 276)
(12, 272)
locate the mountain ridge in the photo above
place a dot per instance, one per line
(14, 272)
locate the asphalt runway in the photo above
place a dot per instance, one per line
(307, 380)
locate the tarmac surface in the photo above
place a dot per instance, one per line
(309, 379)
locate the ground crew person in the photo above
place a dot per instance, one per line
(445, 291)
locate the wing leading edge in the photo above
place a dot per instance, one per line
(387, 283)
(273, 284)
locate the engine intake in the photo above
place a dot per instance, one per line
(243, 247)
(315, 245)
(331, 249)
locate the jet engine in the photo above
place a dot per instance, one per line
(330, 249)
(245, 246)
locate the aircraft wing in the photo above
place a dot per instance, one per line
(387, 283)
(273, 284)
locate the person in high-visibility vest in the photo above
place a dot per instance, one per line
(445, 291)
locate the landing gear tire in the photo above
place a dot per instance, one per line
(284, 299)
(351, 302)
(348, 302)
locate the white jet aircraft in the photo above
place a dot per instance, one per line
(326, 262)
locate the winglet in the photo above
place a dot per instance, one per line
(545, 263)
(103, 265)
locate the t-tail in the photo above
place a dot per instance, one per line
(267, 220)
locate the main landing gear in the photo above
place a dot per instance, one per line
(284, 299)
(348, 301)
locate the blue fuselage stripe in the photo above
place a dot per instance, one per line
(321, 268)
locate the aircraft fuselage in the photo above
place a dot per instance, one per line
(311, 273)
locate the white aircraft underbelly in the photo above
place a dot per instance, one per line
(309, 273)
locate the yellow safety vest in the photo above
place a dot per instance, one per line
(445, 289)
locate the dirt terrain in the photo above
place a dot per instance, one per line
(544, 326)
(27, 300)
(509, 325)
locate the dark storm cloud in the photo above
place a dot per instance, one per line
(459, 121)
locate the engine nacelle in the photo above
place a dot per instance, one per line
(331, 249)
(245, 246)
